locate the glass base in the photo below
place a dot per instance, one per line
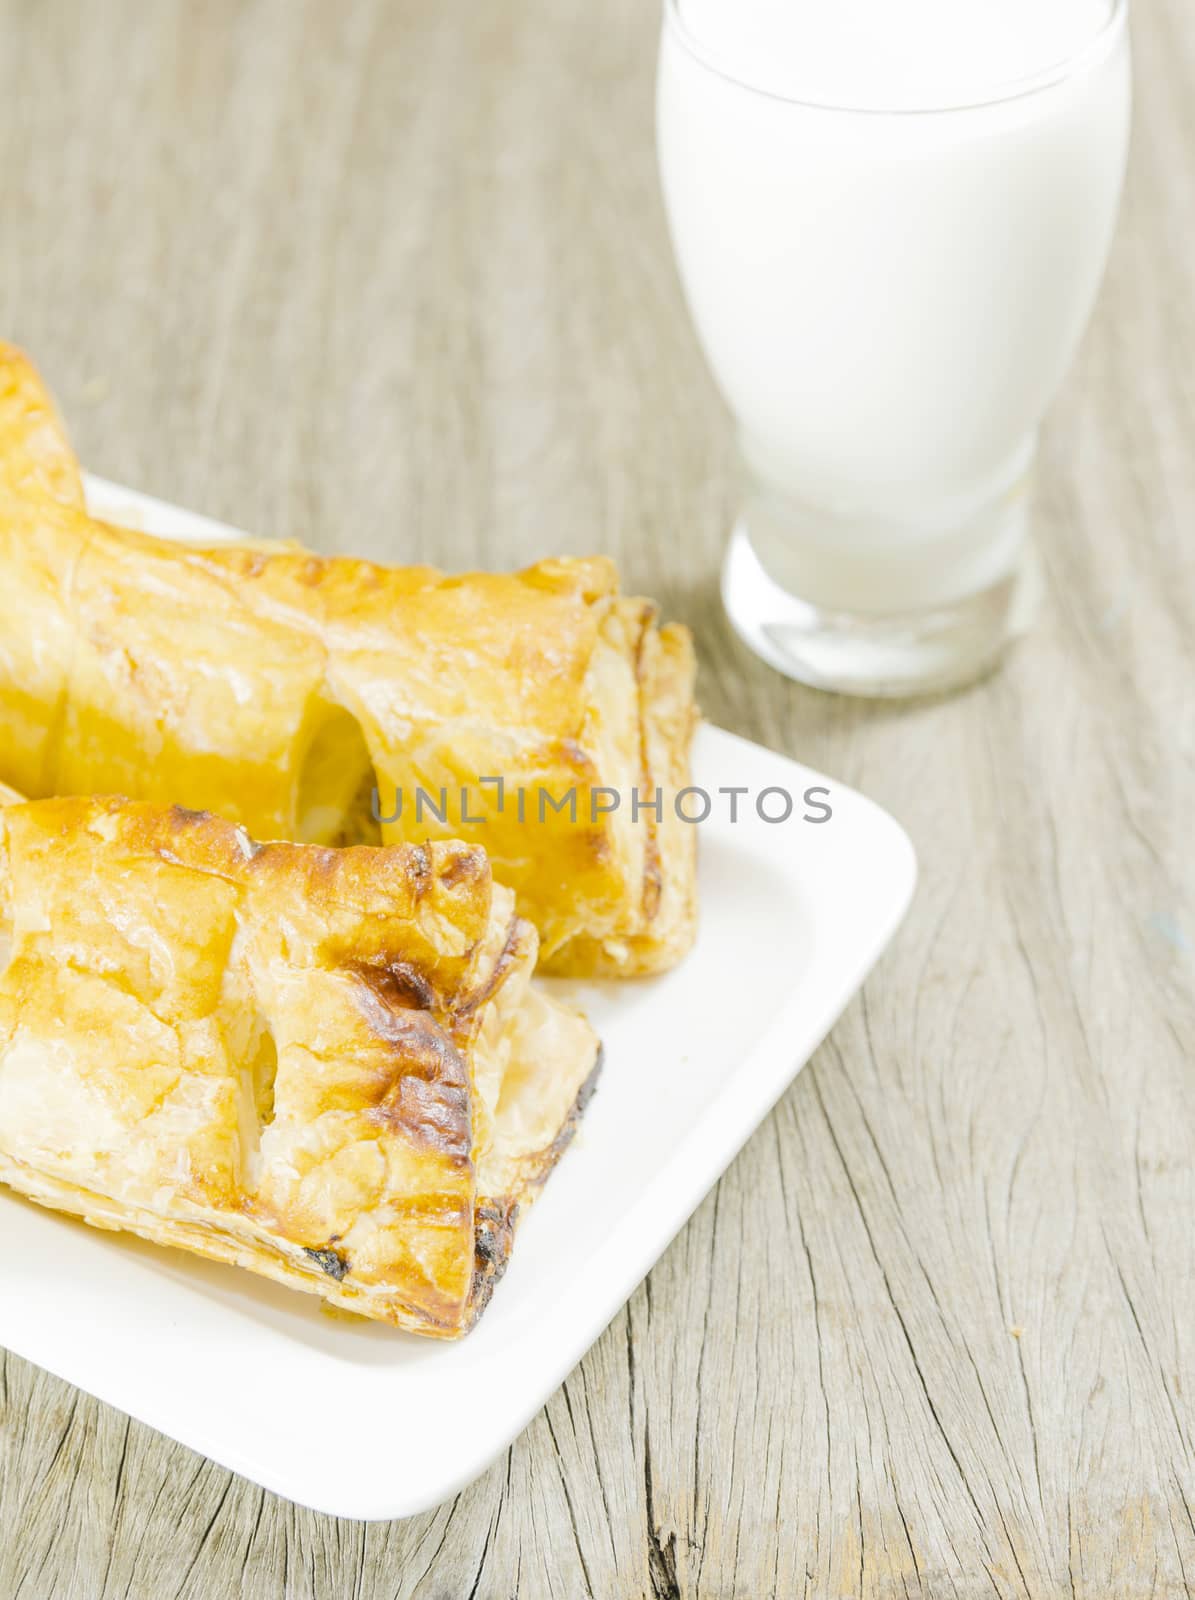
(911, 651)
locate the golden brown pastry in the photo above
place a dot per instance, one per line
(328, 1066)
(279, 689)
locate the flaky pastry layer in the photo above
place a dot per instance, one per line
(329, 1066)
(541, 713)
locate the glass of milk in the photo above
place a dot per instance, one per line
(891, 219)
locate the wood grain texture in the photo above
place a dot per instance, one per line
(391, 277)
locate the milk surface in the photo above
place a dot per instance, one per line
(893, 54)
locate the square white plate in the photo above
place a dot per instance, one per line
(793, 916)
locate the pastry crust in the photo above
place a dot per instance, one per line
(279, 689)
(328, 1066)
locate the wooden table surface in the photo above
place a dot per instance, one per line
(392, 277)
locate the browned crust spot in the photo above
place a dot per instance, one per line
(183, 817)
(396, 983)
(330, 1261)
(494, 1239)
(516, 929)
(465, 867)
(424, 1091)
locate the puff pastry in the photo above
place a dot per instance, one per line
(328, 1066)
(539, 713)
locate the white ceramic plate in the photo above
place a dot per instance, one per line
(321, 1409)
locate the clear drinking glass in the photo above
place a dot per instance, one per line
(889, 294)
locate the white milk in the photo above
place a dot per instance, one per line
(892, 54)
(891, 219)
